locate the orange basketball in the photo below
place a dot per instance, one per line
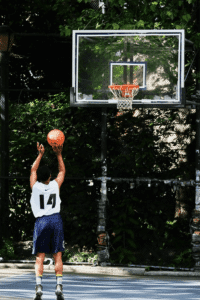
(55, 137)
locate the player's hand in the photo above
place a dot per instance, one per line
(40, 148)
(57, 149)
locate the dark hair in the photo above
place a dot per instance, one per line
(43, 173)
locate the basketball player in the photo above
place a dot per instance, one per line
(48, 234)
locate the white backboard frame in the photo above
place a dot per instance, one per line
(87, 101)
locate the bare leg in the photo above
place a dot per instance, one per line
(39, 264)
(58, 263)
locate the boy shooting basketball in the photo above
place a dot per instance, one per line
(48, 234)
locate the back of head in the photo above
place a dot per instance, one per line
(43, 173)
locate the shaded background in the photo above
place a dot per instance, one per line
(151, 223)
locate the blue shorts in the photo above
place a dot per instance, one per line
(48, 236)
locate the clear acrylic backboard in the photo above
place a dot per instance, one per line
(105, 57)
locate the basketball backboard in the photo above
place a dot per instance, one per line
(105, 57)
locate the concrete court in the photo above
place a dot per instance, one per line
(20, 284)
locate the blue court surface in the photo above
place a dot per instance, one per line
(78, 287)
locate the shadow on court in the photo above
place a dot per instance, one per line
(76, 287)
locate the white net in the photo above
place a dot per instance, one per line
(124, 96)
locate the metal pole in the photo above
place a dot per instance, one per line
(197, 196)
(103, 237)
(195, 222)
(4, 58)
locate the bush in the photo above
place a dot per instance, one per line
(80, 257)
(7, 251)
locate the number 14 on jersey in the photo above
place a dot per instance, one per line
(51, 201)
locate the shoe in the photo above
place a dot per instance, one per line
(59, 292)
(38, 292)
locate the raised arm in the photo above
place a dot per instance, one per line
(33, 176)
(61, 166)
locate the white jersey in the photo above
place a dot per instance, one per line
(45, 199)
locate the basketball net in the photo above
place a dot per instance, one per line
(124, 94)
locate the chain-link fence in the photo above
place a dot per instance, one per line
(150, 182)
(143, 164)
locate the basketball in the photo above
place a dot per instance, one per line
(55, 137)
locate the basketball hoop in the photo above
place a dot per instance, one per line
(124, 94)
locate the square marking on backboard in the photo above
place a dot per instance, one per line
(134, 70)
